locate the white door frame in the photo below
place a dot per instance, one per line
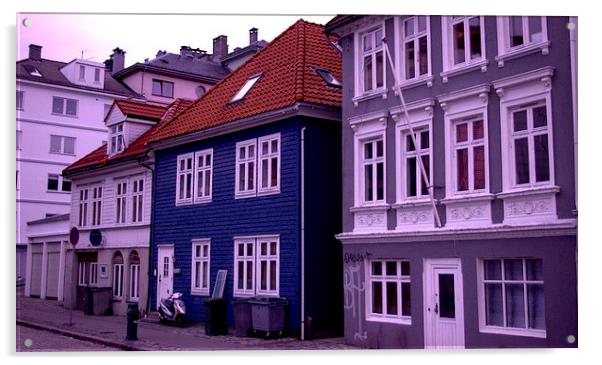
(432, 328)
(168, 248)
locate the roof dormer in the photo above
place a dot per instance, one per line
(85, 73)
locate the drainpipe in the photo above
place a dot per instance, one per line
(573, 51)
(150, 251)
(303, 234)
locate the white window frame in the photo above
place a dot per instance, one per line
(97, 75)
(506, 52)
(469, 145)
(62, 143)
(121, 198)
(96, 204)
(400, 55)
(449, 68)
(20, 99)
(137, 197)
(530, 88)
(184, 173)
(81, 273)
(359, 60)
(201, 174)
(64, 102)
(398, 318)
(93, 273)
(82, 73)
(201, 260)
(483, 327)
(247, 191)
(256, 258)
(83, 207)
(134, 281)
(402, 133)
(269, 157)
(374, 161)
(117, 138)
(245, 88)
(162, 84)
(117, 288)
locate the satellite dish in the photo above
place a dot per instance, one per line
(95, 237)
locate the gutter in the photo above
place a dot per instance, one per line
(303, 233)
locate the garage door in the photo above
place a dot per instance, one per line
(52, 276)
(36, 270)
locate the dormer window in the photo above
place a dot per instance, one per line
(245, 88)
(328, 78)
(117, 140)
(82, 73)
(96, 75)
(32, 70)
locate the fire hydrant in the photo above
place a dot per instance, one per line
(133, 315)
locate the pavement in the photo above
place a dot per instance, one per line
(34, 340)
(109, 331)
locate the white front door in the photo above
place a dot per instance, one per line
(443, 304)
(164, 272)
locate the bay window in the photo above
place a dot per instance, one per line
(512, 296)
(388, 294)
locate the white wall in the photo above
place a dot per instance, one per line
(142, 82)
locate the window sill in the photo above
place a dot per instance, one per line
(520, 192)
(408, 84)
(245, 195)
(243, 295)
(64, 115)
(407, 203)
(371, 95)
(402, 321)
(183, 202)
(481, 64)
(268, 192)
(513, 332)
(200, 293)
(57, 192)
(544, 47)
(367, 208)
(468, 197)
(202, 200)
(63, 154)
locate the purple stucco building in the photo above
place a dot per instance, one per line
(491, 101)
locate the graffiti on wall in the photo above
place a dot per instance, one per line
(354, 291)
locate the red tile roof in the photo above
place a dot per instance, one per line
(99, 158)
(288, 77)
(140, 109)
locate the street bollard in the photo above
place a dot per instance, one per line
(133, 314)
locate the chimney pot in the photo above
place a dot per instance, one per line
(118, 60)
(35, 52)
(253, 35)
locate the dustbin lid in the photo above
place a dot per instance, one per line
(268, 301)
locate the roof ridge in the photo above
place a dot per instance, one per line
(299, 83)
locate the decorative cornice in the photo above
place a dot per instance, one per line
(425, 104)
(380, 116)
(544, 75)
(480, 91)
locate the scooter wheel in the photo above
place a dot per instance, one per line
(179, 321)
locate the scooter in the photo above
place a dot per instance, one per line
(172, 309)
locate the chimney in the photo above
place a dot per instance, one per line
(253, 35)
(35, 52)
(220, 47)
(118, 59)
(186, 51)
(109, 65)
(160, 53)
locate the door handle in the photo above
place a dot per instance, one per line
(436, 308)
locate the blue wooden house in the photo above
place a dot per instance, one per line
(248, 180)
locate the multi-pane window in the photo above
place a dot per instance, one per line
(200, 266)
(257, 266)
(57, 182)
(184, 179)
(120, 201)
(245, 167)
(524, 30)
(469, 155)
(62, 144)
(163, 88)
(372, 167)
(117, 139)
(269, 163)
(415, 185)
(83, 273)
(64, 106)
(467, 39)
(389, 294)
(20, 94)
(513, 294)
(117, 275)
(83, 207)
(93, 273)
(82, 72)
(96, 205)
(531, 155)
(134, 279)
(372, 70)
(203, 172)
(137, 199)
(415, 47)
(96, 75)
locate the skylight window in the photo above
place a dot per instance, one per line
(33, 71)
(245, 88)
(329, 78)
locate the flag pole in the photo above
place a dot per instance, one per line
(425, 177)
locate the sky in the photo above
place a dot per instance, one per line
(64, 37)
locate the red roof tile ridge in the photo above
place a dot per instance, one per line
(299, 92)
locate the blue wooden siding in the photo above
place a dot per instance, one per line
(226, 217)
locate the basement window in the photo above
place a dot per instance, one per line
(245, 88)
(328, 77)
